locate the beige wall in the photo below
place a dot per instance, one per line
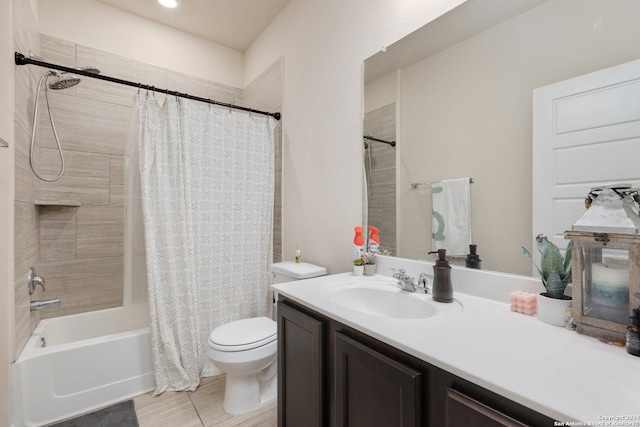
(467, 111)
(97, 25)
(324, 45)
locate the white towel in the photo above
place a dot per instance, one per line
(451, 228)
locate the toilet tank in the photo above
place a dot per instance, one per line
(288, 271)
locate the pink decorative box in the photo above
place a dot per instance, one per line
(523, 302)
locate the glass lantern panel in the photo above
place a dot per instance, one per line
(605, 293)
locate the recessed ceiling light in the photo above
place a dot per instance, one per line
(169, 3)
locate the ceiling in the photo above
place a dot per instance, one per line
(232, 23)
(462, 22)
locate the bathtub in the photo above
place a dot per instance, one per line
(88, 361)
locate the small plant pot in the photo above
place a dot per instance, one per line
(369, 269)
(552, 310)
(358, 270)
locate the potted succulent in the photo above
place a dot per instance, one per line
(555, 271)
(358, 266)
(369, 263)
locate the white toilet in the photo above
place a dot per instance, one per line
(246, 349)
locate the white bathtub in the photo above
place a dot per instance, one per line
(89, 361)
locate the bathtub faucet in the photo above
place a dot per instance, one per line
(44, 304)
(34, 280)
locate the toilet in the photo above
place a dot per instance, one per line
(245, 350)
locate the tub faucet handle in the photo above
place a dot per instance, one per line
(34, 280)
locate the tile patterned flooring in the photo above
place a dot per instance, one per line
(200, 408)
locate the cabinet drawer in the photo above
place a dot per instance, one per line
(462, 410)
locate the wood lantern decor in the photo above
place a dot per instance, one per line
(605, 262)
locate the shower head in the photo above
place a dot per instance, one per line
(90, 69)
(63, 80)
(66, 80)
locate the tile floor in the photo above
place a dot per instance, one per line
(200, 408)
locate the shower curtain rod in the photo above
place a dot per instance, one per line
(391, 143)
(20, 59)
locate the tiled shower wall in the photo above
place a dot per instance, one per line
(380, 168)
(79, 220)
(265, 93)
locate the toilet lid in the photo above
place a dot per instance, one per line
(243, 334)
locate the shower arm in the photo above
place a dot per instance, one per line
(20, 59)
(370, 138)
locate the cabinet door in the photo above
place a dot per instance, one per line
(461, 410)
(374, 390)
(300, 369)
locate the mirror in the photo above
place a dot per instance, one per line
(456, 95)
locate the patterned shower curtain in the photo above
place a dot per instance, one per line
(207, 183)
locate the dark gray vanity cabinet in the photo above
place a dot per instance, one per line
(372, 389)
(333, 375)
(301, 400)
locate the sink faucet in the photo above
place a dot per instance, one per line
(408, 283)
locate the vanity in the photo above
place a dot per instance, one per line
(359, 351)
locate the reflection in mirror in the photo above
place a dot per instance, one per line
(456, 95)
(380, 173)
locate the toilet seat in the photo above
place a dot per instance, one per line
(245, 334)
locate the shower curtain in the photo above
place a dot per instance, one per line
(207, 184)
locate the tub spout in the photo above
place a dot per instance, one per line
(44, 304)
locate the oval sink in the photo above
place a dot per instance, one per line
(390, 302)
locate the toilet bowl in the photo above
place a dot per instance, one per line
(246, 349)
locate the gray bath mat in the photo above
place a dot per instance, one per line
(121, 414)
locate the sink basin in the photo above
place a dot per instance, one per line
(387, 300)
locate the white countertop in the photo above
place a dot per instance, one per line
(557, 372)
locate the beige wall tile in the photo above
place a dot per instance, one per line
(58, 51)
(84, 124)
(26, 238)
(100, 231)
(85, 181)
(116, 180)
(24, 98)
(58, 234)
(83, 285)
(118, 67)
(265, 93)
(201, 88)
(23, 183)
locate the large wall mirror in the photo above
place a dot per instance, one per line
(456, 96)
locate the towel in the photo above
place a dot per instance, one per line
(451, 228)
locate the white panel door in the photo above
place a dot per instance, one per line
(586, 133)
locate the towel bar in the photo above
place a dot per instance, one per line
(418, 184)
